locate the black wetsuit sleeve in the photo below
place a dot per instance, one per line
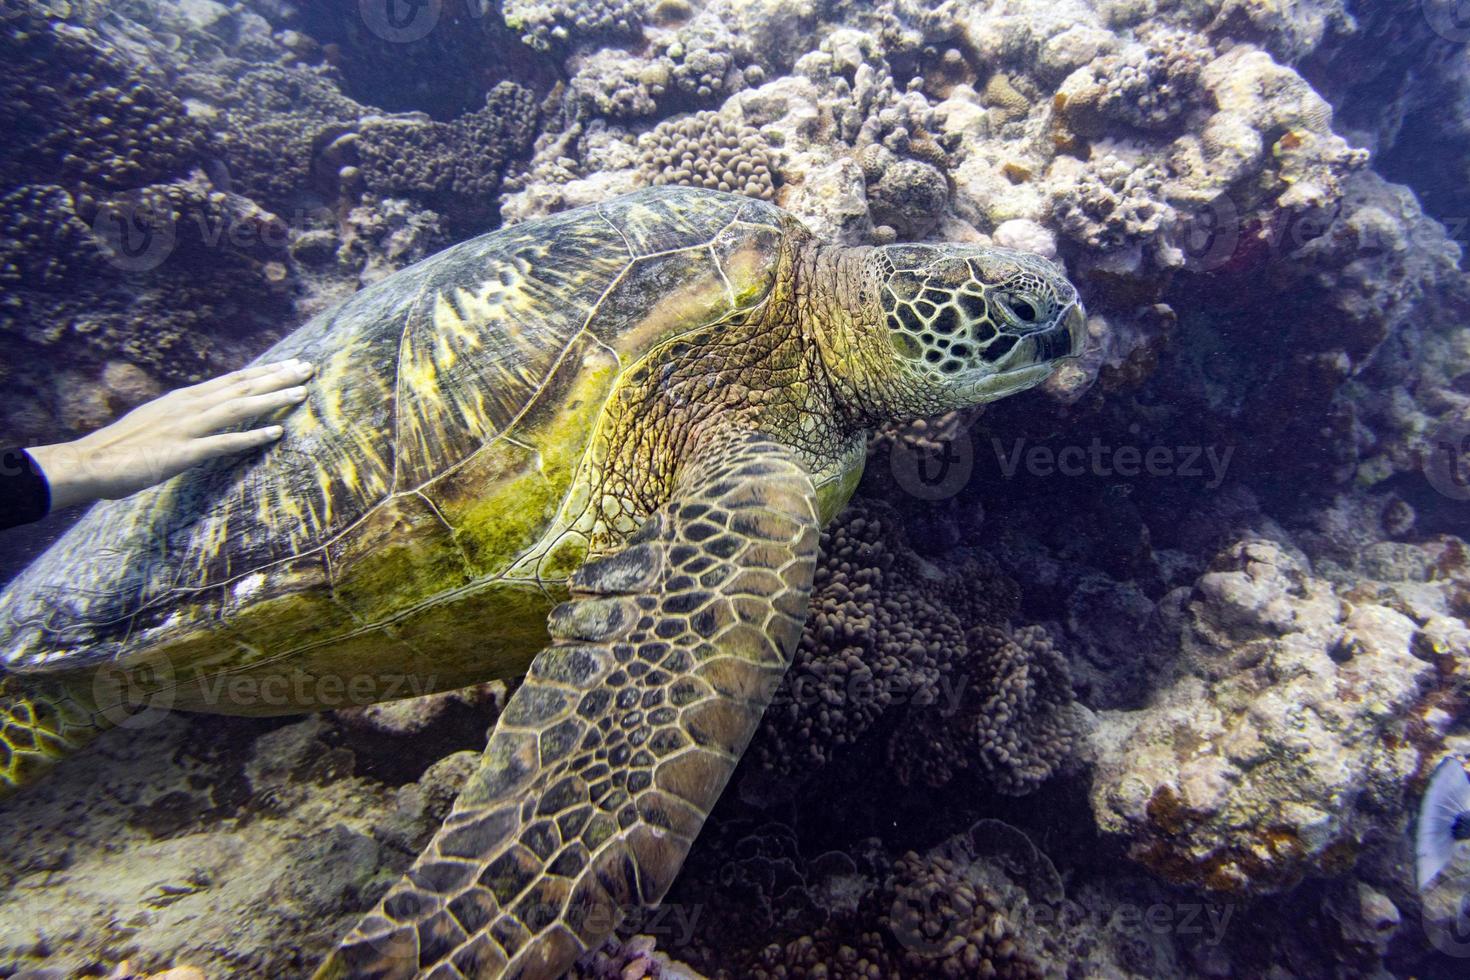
(25, 495)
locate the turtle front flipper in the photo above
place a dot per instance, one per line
(608, 758)
(41, 723)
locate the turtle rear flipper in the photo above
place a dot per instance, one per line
(40, 724)
(607, 760)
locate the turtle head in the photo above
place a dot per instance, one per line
(945, 326)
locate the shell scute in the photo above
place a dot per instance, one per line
(474, 353)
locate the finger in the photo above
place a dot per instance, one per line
(252, 380)
(227, 443)
(220, 381)
(238, 410)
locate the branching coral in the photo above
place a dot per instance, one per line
(1148, 85)
(272, 122)
(1109, 203)
(290, 131)
(1016, 720)
(42, 241)
(955, 910)
(951, 923)
(454, 166)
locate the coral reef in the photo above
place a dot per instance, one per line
(902, 649)
(1255, 583)
(981, 902)
(175, 177)
(453, 168)
(81, 112)
(1147, 84)
(548, 24)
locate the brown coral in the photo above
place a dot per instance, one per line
(1016, 718)
(707, 150)
(77, 110)
(897, 644)
(453, 167)
(955, 910)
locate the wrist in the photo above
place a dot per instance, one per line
(64, 468)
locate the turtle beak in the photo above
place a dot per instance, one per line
(1076, 327)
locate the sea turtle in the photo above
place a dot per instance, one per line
(624, 426)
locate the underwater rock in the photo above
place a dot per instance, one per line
(281, 845)
(1265, 758)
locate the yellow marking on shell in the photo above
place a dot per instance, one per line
(419, 373)
(492, 301)
(324, 484)
(729, 289)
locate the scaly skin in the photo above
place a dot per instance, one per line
(40, 724)
(760, 372)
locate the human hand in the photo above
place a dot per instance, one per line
(166, 436)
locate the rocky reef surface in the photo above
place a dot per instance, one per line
(1139, 674)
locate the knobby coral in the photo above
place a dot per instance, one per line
(919, 654)
(708, 150)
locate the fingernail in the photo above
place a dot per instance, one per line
(297, 393)
(304, 367)
(274, 431)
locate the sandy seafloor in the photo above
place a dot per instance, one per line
(1138, 674)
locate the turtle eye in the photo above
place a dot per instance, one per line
(1020, 309)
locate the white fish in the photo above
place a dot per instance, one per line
(1444, 820)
